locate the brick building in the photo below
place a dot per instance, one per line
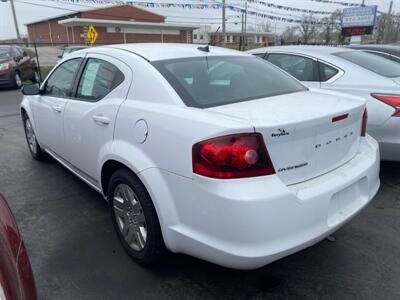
(260, 39)
(114, 24)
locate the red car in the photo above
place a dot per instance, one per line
(16, 66)
(16, 278)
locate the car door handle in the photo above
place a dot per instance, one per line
(57, 108)
(101, 119)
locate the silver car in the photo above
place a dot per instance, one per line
(354, 72)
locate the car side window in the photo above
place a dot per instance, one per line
(98, 79)
(15, 52)
(61, 82)
(300, 67)
(20, 52)
(326, 72)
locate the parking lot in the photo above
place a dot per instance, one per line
(75, 253)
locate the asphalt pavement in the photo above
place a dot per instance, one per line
(75, 253)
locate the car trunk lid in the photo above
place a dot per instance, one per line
(307, 133)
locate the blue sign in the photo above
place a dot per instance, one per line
(363, 16)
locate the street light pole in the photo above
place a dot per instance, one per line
(223, 23)
(245, 27)
(15, 18)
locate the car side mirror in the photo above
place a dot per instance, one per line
(59, 56)
(31, 89)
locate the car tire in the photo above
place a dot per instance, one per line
(135, 218)
(17, 80)
(35, 76)
(33, 145)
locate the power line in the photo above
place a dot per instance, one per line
(104, 14)
(271, 16)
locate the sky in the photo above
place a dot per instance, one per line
(32, 10)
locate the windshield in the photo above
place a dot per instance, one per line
(4, 52)
(218, 80)
(374, 63)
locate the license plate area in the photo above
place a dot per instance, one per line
(346, 202)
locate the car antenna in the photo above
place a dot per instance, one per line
(204, 49)
(207, 48)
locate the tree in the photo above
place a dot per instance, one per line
(331, 28)
(264, 27)
(290, 35)
(307, 28)
(389, 24)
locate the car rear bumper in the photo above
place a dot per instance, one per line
(248, 223)
(388, 138)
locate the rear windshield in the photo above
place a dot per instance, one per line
(4, 52)
(374, 63)
(218, 80)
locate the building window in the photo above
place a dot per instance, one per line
(201, 36)
(195, 36)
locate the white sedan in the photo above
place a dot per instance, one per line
(207, 151)
(375, 78)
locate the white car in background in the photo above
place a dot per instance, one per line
(208, 151)
(354, 72)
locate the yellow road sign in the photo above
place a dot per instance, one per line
(92, 34)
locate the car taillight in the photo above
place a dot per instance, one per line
(232, 156)
(392, 100)
(364, 123)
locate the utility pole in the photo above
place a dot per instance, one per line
(223, 24)
(387, 20)
(245, 26)
(242, 36)
(15, 18)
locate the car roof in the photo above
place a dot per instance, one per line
(165, 51)
(304, 49)
(317, 51)
(374, 46)
(392, 49)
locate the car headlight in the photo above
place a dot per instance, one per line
(4, 66)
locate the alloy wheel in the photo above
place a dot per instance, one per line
(18, 80)
(30, 136)
(129, 216)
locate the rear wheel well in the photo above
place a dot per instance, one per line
(24, 115)
(108, 169)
